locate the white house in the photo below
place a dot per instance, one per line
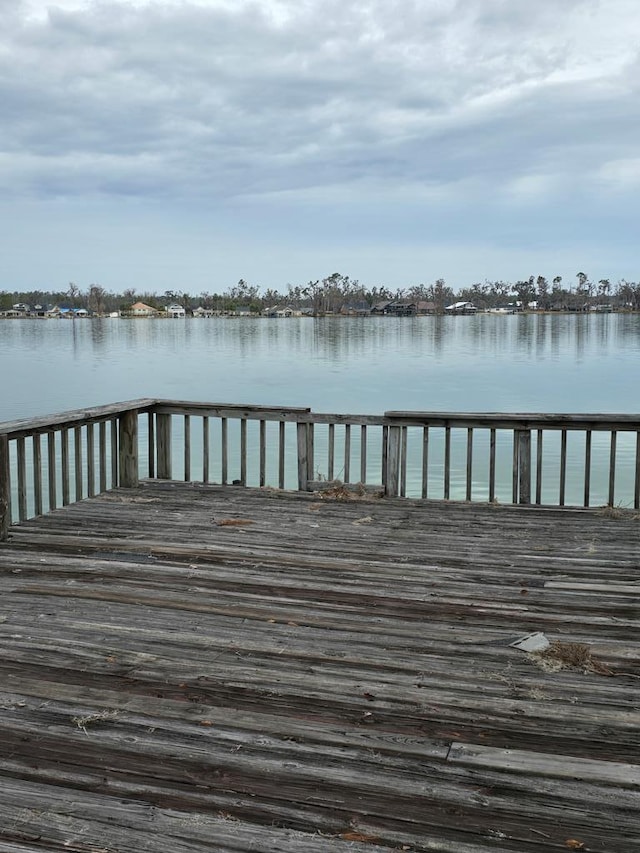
(461, 308)
(176, 311)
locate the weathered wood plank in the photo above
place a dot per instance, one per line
(563, 467)
(539, 451)
(187, 448)
(205, 449)
(114, 449)
(151, 444)
(64, 457)
(393, 454)
(447, 462)
(51, 469)
(514, 466)
(346, 468)
(311, 437)
(91, 461)
(22, 478)
(302, 431)
(37, 475)
(163, 429)
(128, 449)
(228, 410)
(636, 490)
(102, 453)
(77, 463)
(243, 451)
(546, 764)
(263, 453)
(425, 463)
(403, 461)
(5, 488)
(524, 466)
(341, 666)
(67, 420)
(224, 450)
(612, 468)
(281, 454)
(581, 421)
(587, 468)
(331, 445)
(100, 823)
(469, 471)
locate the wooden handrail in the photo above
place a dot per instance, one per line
(530, 420)
(81, 459)
(497, 420)
(72, 418)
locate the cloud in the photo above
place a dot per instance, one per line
(475, 122)
(221, 99)
(623, 174)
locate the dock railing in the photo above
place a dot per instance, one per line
(543, 459)
(52, 461)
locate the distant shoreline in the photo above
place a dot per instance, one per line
(488, 312)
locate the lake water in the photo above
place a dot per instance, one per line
(549, 363)
(521, 363)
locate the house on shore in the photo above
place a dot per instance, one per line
(140, 309)
(381, 308)
(176, 312)
(59, 312)
(242, 311)
(280, 311)
(22, 311)
(464, 308)
(394, 308)
(399, 308)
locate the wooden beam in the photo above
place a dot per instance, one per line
(303, 457)
(499, 420)
(27, 426)
(128, 450)
(392, 482)
(22, 478)
(163, 431)
(524, 466)
(5, 488)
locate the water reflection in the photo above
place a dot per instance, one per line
(482, 363)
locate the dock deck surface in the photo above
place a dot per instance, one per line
(187, 669)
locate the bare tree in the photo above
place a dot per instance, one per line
(95, 300)
(73, 292)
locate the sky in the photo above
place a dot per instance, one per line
(185, 144)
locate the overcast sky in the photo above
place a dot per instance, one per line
(184, 144)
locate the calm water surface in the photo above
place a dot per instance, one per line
(483, 363)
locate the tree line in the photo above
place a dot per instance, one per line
(337, 292)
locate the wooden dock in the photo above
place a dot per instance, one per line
(191, 668)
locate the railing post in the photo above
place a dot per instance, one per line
(310, 451)
(128, 449)
(5, 488)
(523, 438)
(392, 479)
(303, 456)
(163, 446)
